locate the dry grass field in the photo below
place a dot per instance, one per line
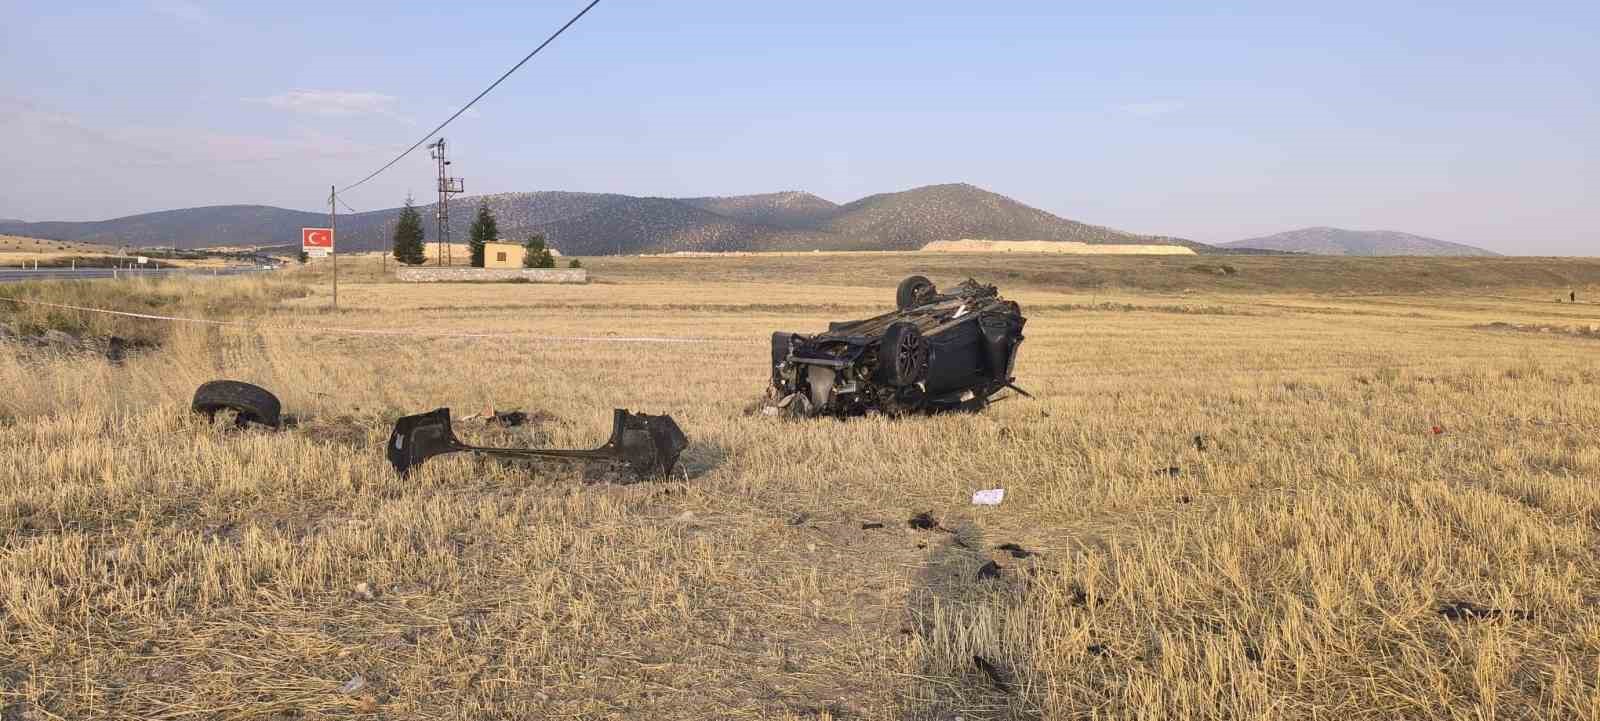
(1277, 492)
(979, 245)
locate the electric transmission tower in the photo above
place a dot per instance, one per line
(448, 186)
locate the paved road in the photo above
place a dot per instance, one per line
(11, 275)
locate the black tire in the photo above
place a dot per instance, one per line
(913, 291)
(902, 355)
(250, 403)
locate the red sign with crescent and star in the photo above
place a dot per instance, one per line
(321, 238)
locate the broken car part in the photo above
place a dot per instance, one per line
(249, 403)
(935, 352)
(648, 445)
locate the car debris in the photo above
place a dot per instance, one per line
(249, 403)
(504, 419)
(925, 521)
(1016, 550)
(997, 678)
(988, 497)
(648, 445)
(935, 352)
(1469, 611)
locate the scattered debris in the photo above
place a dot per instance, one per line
(249, 403)
(871, 526)
(1172, 471)
(1437, 430)
(116, 350)
(989, 571)
(800, 519)
(885, 363)
(1017, 551)
(996, 677)
(1199, 442)
(1184, 499)
(648, 445)
(364, 591)
(925, 521)
(1096, 649)
(1081, 598)
(1469, 611)
(989, 497)
(508, 419)
(356, 683)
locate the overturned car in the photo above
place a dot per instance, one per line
(937, 351)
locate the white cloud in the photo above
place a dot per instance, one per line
(1152, 108)
(331, 103)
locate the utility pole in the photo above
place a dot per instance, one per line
(333, 208)
(448, 186)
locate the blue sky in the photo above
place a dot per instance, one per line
(1471, 122)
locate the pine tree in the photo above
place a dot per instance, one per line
(408, 236)
(535, 254)
(483, 231)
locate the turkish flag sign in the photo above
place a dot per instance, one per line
(318, 238)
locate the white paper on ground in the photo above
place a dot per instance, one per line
(990, 497)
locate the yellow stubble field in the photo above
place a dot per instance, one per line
(1278, 504)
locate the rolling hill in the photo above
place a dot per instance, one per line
(793, 209)
(608, 223)
(1338, 241)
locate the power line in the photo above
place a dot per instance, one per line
(464, 108)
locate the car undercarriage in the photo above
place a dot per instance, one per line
(936, 352)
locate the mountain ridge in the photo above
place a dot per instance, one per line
(1324, 240)
(580, 223)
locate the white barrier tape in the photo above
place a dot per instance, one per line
(380, 331)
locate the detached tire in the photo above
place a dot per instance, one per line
(902, 355)
(250, 403)
(912, 292)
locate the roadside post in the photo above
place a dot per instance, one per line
(333, 207)
(318, 243)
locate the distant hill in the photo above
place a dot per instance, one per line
(1338, 241)
(910, 219)
(191, 227)
(608, 223)
(794, 209)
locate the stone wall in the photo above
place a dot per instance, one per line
(425, 274)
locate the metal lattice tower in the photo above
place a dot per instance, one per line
(448, 186)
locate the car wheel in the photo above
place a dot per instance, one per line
(913, 291)
(903, 355)
(249, 403)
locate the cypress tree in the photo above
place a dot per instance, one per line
(483, 231)
(408, 236)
